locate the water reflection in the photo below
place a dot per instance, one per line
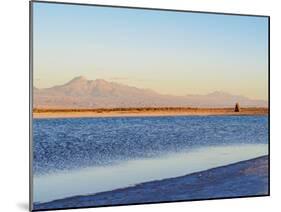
(98, 179)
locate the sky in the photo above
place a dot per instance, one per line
(176, 53)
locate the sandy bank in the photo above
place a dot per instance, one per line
(138, 112)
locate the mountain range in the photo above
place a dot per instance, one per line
(83, 93)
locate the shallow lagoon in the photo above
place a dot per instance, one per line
(83, 156)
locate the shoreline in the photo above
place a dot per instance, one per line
(144, 112)
(220, 182)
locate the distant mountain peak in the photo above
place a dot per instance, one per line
(79, 78)
(76, 81)
(83, 93)
(82, 79)
(219, 93)
(101, 81)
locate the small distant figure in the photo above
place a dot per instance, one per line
(237, 107)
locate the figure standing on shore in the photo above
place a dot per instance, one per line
(237, 107)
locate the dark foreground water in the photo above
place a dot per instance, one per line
(82, 156)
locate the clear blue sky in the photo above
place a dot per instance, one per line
(170, 52)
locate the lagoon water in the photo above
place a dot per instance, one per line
(81, 156)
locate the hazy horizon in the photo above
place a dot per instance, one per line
(174, 53)
(120, 83)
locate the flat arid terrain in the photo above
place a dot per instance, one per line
(124, 112)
